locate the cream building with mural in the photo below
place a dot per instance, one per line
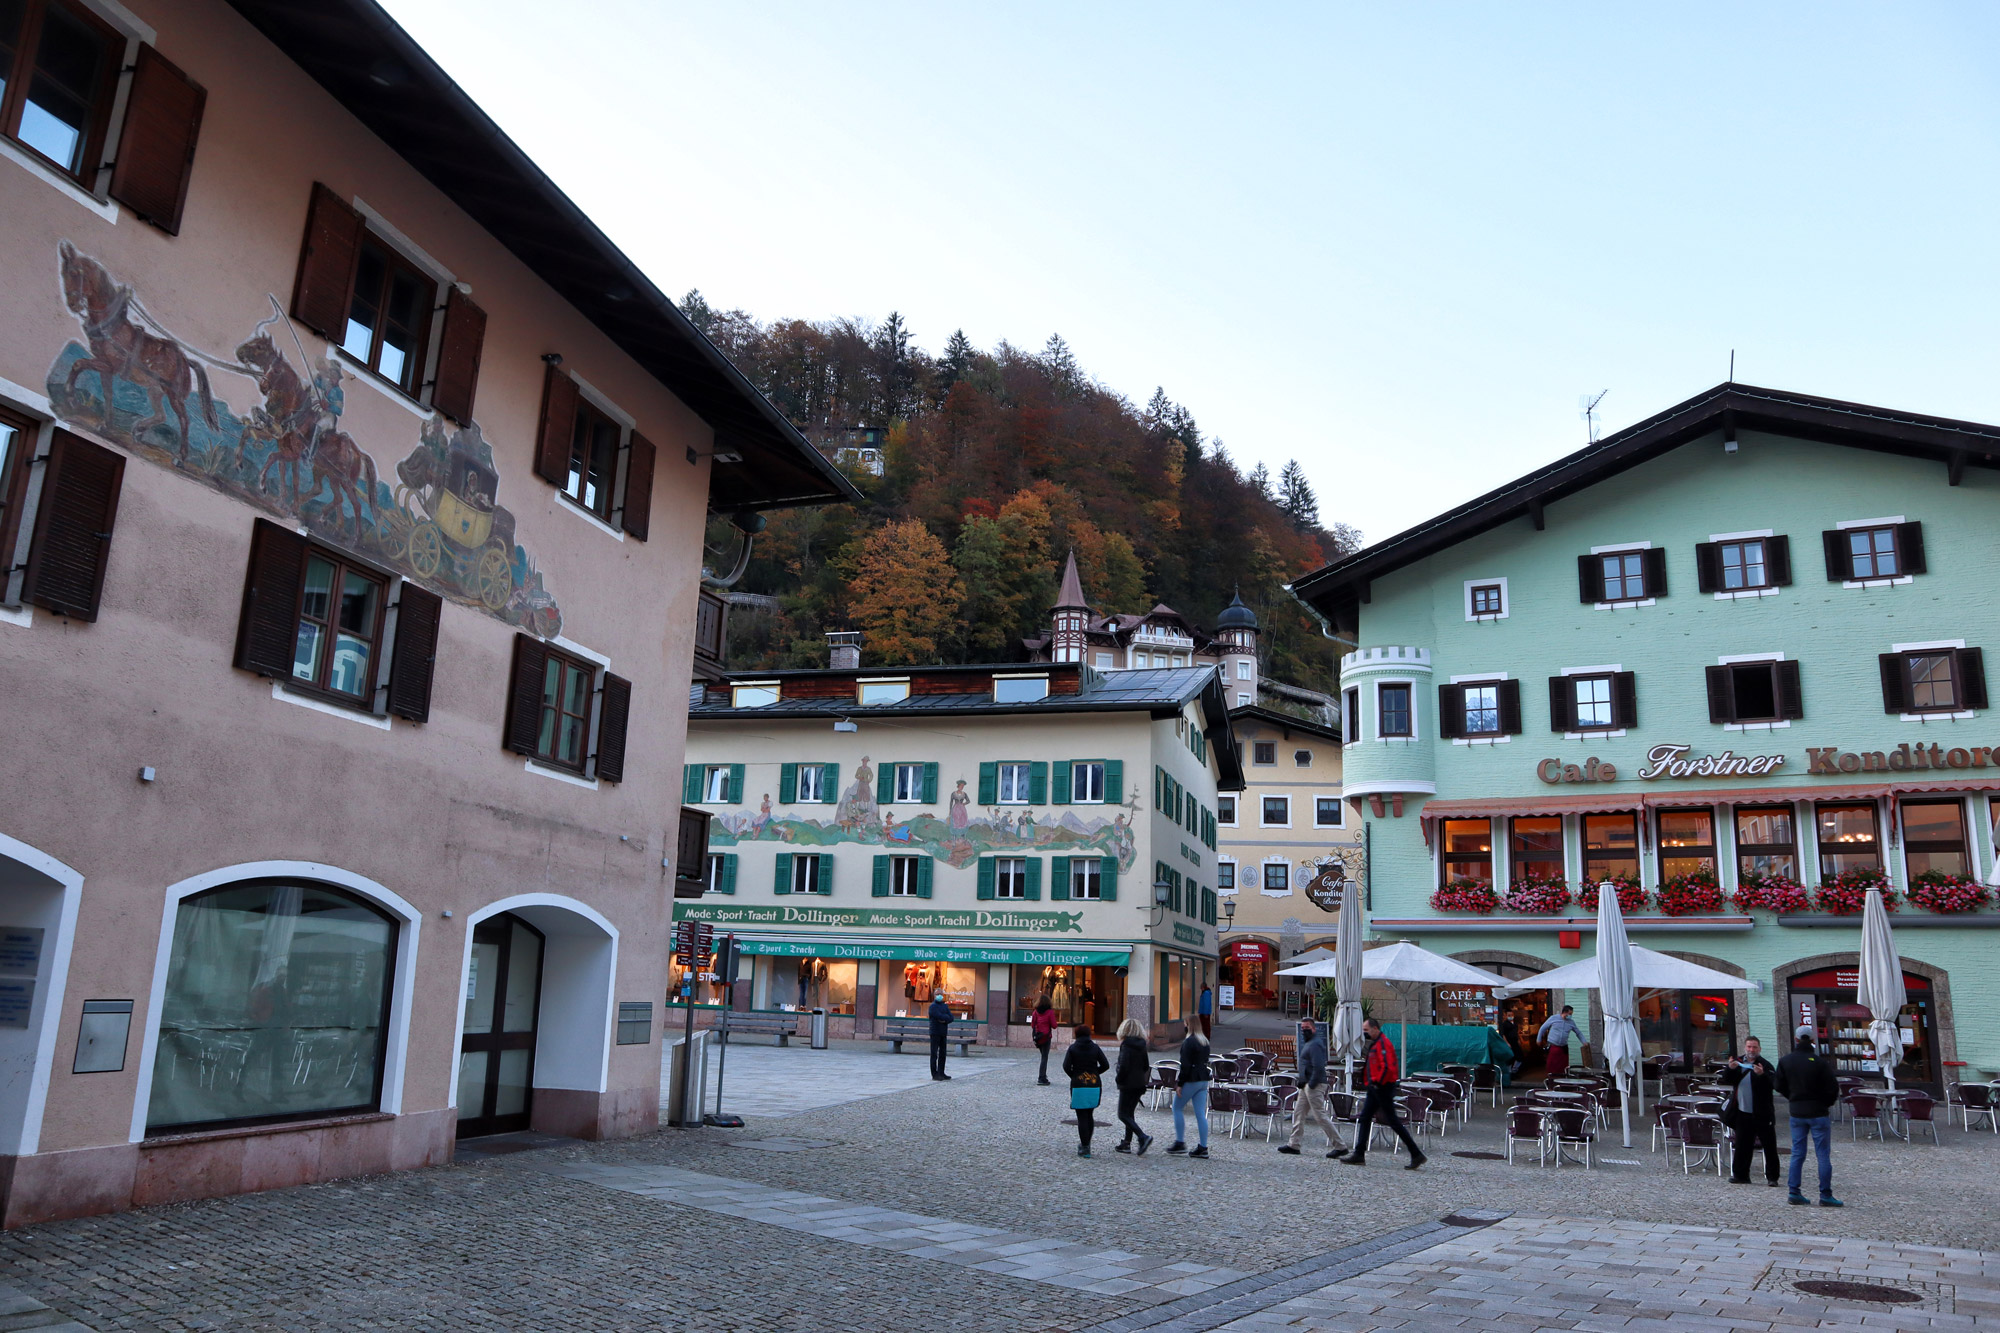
(995, 832)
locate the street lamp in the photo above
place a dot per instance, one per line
(1228, 916)
(1162, 895)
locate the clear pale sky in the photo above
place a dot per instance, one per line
(1394, 241)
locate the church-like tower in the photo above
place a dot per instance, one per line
(1236, 631)
(1071, 614)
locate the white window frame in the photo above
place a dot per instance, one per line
(1263, 811)
(1010, 878)
(1104, 661)
(1893, 520)
(1232, 798)
(1095, 766)
(1594, 733)
(737, 690)
(716, 862)
(888, 690)
(1339, 812)
(1086, 879)
(910, 792)
(1264, 877)
(1302, 758)
(805, 872)
(1375, 709)
(811, 785)
(1242, 668)
(1235, 883)
(1745, 659)
(1024, 787)
(714, 776)
(904, 876)
(1506, 603)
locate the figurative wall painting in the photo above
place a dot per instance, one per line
(959, 839)
(131, 381)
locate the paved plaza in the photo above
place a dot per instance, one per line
(862, 1196)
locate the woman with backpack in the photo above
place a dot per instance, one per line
(1085, 1065)
(1043, 1025)
(1135, 1071)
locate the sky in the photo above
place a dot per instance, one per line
(1395, 242)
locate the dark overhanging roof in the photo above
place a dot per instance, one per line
(379, 73)
(1289, 721)
(1337, 590)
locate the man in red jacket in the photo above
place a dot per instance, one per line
(1383, 1079)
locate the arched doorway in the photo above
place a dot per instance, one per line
(1518, 1017)
(39, 897)
(1821, 992)
(496, 1052)
(1245, 974)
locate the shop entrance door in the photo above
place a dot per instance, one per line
(496, 1061)
(1693, 1028)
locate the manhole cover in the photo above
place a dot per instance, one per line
(1461, 1220)
(1481, 1157)
(1836, 1290)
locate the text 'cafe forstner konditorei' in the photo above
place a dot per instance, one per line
(1730, 660)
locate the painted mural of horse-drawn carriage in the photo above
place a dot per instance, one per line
(455, 533)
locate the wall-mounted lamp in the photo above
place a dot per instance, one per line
(1228, 916)
(846, 724)
(1162, 895)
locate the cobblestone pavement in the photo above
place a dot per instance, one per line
(767, 1080)
(519, 1242)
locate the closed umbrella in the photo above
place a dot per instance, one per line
(1881, 989)
(1346, 1036)
(1614, 977)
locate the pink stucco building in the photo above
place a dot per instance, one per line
(352, 495)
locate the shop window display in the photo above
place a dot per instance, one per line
(706, 991)
(1093, 995)
(1826, 1002)
(906, 989)
(1693, 1027)
(793, 984)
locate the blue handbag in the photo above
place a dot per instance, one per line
(1085, 1098)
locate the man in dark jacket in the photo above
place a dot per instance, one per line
(1751, 1113)
(1384, 1084)
(1805, 1079)
(1310, 1104)
(940, 1016)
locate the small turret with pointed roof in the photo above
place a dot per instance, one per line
(1236, 630)
(1070, 598)
(1072, 614)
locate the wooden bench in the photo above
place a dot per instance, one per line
(782, 1026)
(896, 1031)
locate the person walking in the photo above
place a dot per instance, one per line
(1204, 1009)
(1135, 1071)
(1555, 1035)
(940, 1016)
(1383, 1086)
(1085, 1066)
(1805, 1079)
(1310, 1104)
(1193, 1092)
(1751, 1113)
(1043, 1026)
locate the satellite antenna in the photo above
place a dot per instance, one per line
(1587, 406)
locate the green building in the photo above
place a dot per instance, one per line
(1729, 659)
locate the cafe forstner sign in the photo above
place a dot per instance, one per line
(1664, 761)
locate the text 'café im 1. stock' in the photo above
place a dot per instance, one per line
(1728, 660)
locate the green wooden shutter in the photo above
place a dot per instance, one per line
(930, 784)
(1034, 879)
(1107, 878)
(690, 784)
(989, 783)
(784, 882)
(1038, 782)
(881, 887)
(1059, 884)
(987, 868)
(1114, 782)
(1159, 788)
(885, 785)
(736, 784)
(825, 874)
(788, 783)
(1174, 893)
(924, 877)
(729, 873)
(1062, 783)
(829, 783)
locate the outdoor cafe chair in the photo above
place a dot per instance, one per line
(1259, 1102)
(1919, 1108)
(1701, 1139)
(1846, 1083)
(1166, 1082)
(1683, 1084)
(1608, 1100)
(1290, 1080)
(1526, 1125)
(1344, 1107)
(1864, 1106)
(1979, 1099)
(1442, 1105)
(1667, 1126)
(1226, 1101)
(1570, 1127)
(1486, 1079)
(1222, 1069)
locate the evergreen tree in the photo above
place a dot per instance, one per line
(1296, 498)
(895, 374)
(1061, 365)
(1260, 480)
(956, 364)
(698, 312)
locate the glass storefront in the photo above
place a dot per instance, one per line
(907, 987)
(1695, 1027)
(1520, 1016)
(1687, 842)
(1826, 1002)
(1093, 995)
(707, 990)
(1247, 966)
(792, 984)
(1179, 987)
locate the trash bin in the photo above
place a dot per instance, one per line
(819, 1030)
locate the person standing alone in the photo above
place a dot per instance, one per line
(1751, 1112)
(1085, 1066)
(1311, 1101)
(1806, 1080)
(1043, 1025)
(1204, 1009)
(1384, 1082)
(940, 1016)
(1135, 1071)
(1555, 1035)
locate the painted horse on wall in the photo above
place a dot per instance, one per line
(120, 347)
(299, 426)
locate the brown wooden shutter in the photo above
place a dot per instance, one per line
(1562, 704)
(72, 539)
(1839, 567)
(459, 348)
(325, 285)
(524, 694)
(613, 713)
(1895, 682)
(156, 147)
(1653, 560)
(1451, 711)
(267, 631)
(1624, 699)
(1708, 566)
(1721, 695)
(1778, 561)
(418, 616)
(1590, 578)
(1791, 698)
(13, 495)
(639, 486)
(1910, 547)
(1510, 707)
(552, 445)
(1972, 678)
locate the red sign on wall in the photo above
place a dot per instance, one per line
(1251, 951)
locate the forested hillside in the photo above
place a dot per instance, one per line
(996, 465)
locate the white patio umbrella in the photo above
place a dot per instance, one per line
(1345, 1038)
(1310, 956)
(1881, 989)
(1621, 1035)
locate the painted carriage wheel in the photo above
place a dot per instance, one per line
(426, 550)
(495, 578)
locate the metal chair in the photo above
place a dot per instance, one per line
(1416, 1111)
(1486, 1079)
(1571, 1126)
(1443, 1103)
(1846, 1083)
(1525, 1125)
(1166, 1081)
(1224, 1101)
(1863, 1106)
(1667, 1127)
(1345, 1108)
(1978, 1099)
(1701, 1139)
(1609, 1100)
(1919, 1108)
(1222, 1069)
(1260, 1102)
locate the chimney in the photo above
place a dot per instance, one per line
(844, 649)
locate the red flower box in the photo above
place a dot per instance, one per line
(1538, 895)
(1694, 894)
(1466, 895)
(1631, 897)
(1846, 894)
(1935, 891)
(1774, 893)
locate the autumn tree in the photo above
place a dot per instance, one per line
(903, 595)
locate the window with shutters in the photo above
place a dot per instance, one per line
(1762, 692)
(715, 784)
(1225, 811)
(389, 316)
(1010, 877)
(1933, 683)
(1015, 780)
(718, 873)
(339, 626)
(1592, 695)
(812, 784)
(1086, 779)
(1277, 812)
(806, 874)
(906, 876)
(593, 460)
(1922, 680)
(1327, 812)
(909, 783)
(1086, 878)
(1743, 565)
(1482, 710)
(1872, 554)
(566, 699)
(59, 63)
(17, 443)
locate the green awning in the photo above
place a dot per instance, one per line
(938, 953)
